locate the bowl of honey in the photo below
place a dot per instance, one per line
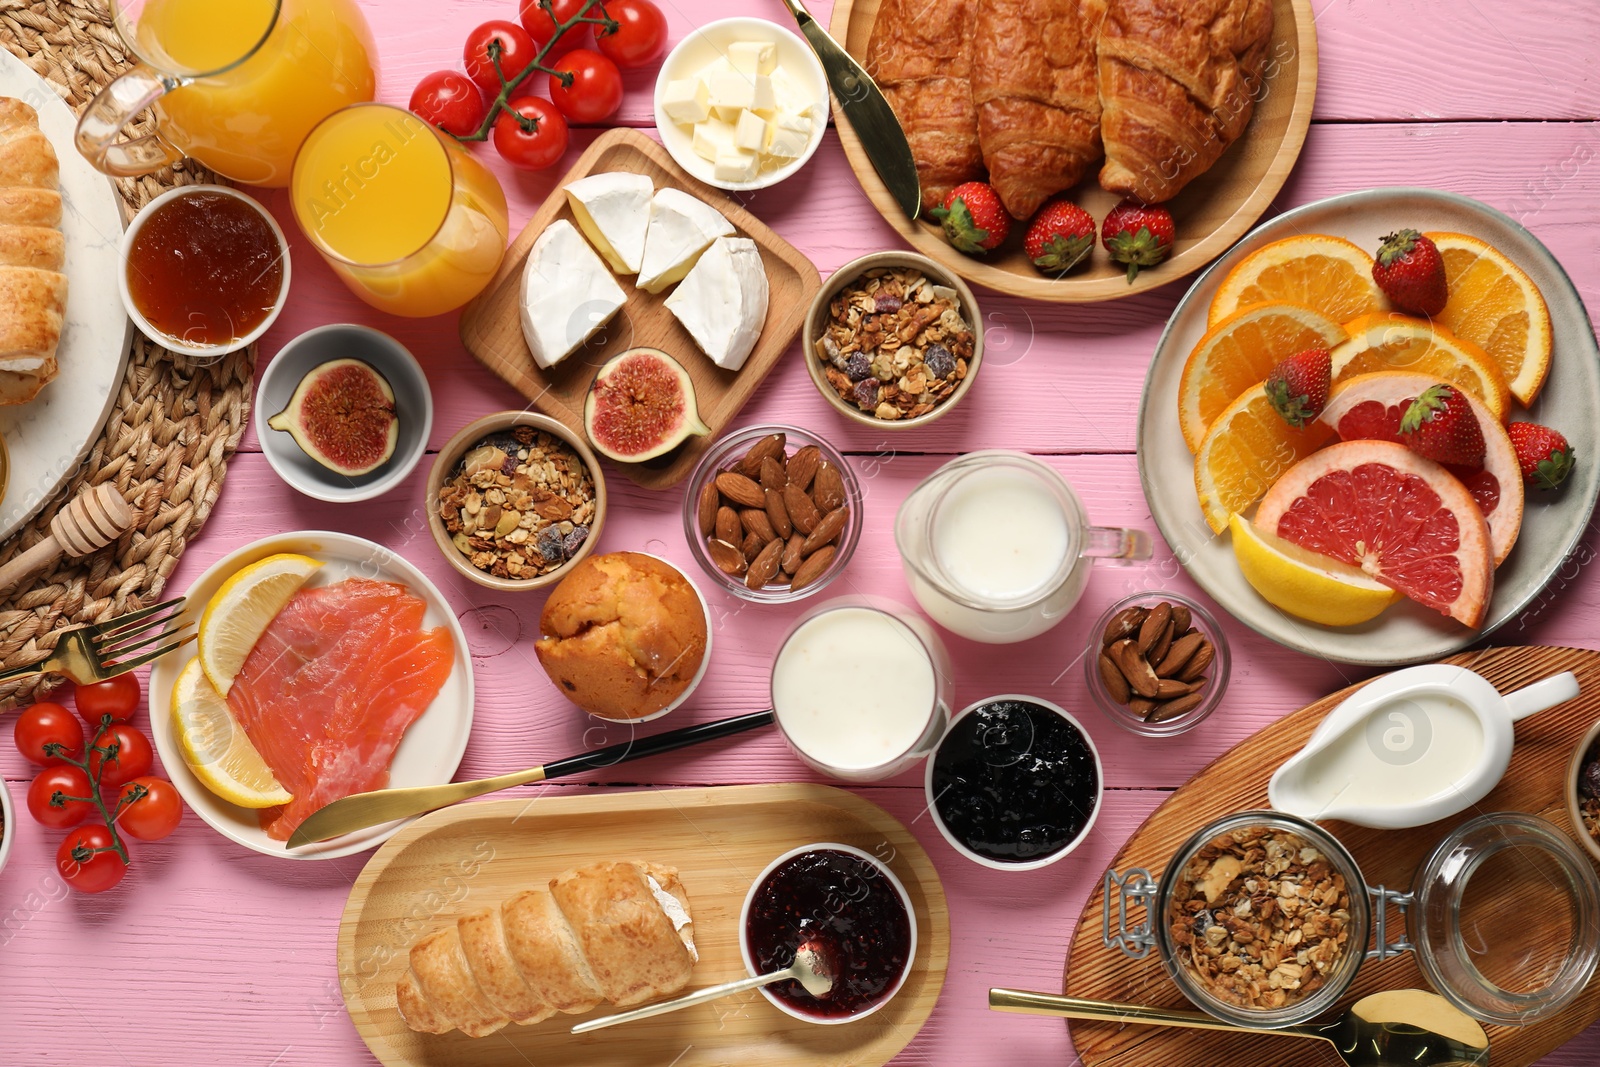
(205, 270)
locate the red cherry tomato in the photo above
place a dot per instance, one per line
(530, 149)
(540, 27)
(596, 90)
(154, 815)
(44, 724)
(134, 756)
(516, 52)
(451, 101)
(85, 869)
(69, 782)
(118, 698)
(641, 35)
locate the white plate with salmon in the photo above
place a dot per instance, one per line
(361, 679)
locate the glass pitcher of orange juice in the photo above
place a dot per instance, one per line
(235, 84)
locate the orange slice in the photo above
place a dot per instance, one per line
(1246, 450)
(1399, 342)
(1402, 519)
(1369, 407)
(1327, 273)
(1237, 353)
(1497, 307)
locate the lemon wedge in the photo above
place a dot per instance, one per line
(215, 746)
(1305, 584)
(239, 613)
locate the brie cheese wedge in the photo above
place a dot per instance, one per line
(723, 301)
(613, 210)
(681, 227)
(567, 294)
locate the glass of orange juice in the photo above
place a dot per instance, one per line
(402, 212)
(235, 84)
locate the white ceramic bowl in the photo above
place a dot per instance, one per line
(166, 340)
(708, 43)
(8, 812)
(883, 869)
(413, 402)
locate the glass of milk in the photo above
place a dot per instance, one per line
(995, 546)
(861, 688)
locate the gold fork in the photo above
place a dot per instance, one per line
(101, 650)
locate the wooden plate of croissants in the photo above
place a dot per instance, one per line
(1200, 105)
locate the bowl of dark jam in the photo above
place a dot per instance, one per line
(853, 912)
(1015, 784)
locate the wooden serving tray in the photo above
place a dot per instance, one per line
(1211, 213)
(491, 326)
(476, 855)
(1237, 781)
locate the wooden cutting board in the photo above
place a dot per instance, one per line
(491, 327)
(474, 855)
(1237, 780)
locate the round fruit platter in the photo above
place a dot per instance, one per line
(1552, 521)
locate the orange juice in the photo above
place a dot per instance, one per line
(407, 217)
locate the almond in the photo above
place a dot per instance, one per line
(1141, 706)
(741, 490)
(729, 528)
(1124, 623)
(1160, 618)
(706, 511)
(764, 567)
(1178, 655)
(1181, 618)
(729, 560)
(1141, 677)
(1198, 662)
(755, 521)
(1168, 688)
(1115, 683)
(802, 511)
(1158, 651)
(791, 554)
(751, 546)
(814, 567)
(829, 490)
(772, 475)
(803, 466)
(769, 447)
(1171, 709)
(777, 514)
(827, 530)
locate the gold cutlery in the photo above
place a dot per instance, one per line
(102, 650)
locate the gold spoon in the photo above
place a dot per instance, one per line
(1397, 1026)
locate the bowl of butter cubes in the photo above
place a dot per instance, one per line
(741, 103)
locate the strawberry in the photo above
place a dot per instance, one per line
(1440, 425)
(1410, 272)
(1139, 235)
(1061, 235)
(1544, 455)
(1297, 387)
(974, 220)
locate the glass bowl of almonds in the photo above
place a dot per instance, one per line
(772, 514)
(1157, 663)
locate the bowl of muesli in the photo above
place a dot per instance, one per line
(514, 500)
(894, 340)
(1583, 792)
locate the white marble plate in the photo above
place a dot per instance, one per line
(49, 437)
(1552, 523)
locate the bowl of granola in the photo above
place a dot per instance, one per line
(1583, 792)
(514, 500)
(893, 340)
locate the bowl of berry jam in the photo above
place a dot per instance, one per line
(1015, 784)
(852, 911)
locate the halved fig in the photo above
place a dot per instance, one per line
(342, 415)
(641, 406)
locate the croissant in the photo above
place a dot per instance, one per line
(1034, 84)
(920, 54)
(1178, 80)
(610, 931)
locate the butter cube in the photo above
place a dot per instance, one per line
(752, 132)
(712, 138)
(686, 101)
(790, 135)
(736, 166)
(733, 92)
(753, 57)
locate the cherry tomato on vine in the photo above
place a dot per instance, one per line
(69, 782)
(530, 149)
(596, 90)
(451, 101)
(540, 27)
(46, 723)
(117, 697)
(89, 871)
(134, 756)
(516, 52)
(154, 815)
(641, 35)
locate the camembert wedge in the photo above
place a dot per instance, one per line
(681, 227)
(567, 294)
(723, 301)
(613, 211)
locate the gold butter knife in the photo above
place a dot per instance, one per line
(861, 101)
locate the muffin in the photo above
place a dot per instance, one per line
(624, 635)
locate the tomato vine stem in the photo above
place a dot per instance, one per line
(509, 86)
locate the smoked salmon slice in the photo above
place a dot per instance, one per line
(331, 687)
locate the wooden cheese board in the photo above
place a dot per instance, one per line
(719, 838)
(491, 326)
(1237, 781)
(1212, 212)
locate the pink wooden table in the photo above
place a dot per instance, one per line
(211, 954)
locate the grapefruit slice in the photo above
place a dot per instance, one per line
(1399, 342)
(1369, 407)
(1402, 519)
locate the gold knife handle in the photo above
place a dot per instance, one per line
(361, 810)
(1022, 1002)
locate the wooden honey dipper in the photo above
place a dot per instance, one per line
(90, 521)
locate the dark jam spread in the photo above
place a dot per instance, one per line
(848, 912)
(1015, 782)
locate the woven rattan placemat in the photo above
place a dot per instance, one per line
(175, 425)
